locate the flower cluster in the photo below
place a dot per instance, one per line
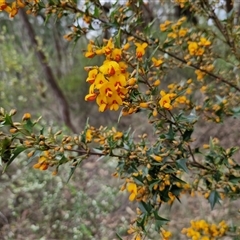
(11, 8)
(108, 83)
(43, 161)
(205, 231)
(175, 30)
(198, 48)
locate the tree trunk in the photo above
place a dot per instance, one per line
(50, 78)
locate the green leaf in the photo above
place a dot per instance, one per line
(152, 54)
(234, 179)
(170, 135)
(159, 221)
(217, 176)
(62, 159)
(73, 167)
(7, 120)
(176, 191)
(221, 64)
(14, 154)
(118, 38)
(145, 208)
(118, 236)
(187, 135)
(42, 131)
(72, 170)
(233, 150)
(181, 163)
(120, 116)
(176, 179)
(96, 13)
(213, 198)
(28, 125)
(191, 118)
(141, 222)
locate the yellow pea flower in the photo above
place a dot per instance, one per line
(192, 48)
(3, 5)
(165, 102)
(204, 42)
(89, 135)
(164, 26)
(200, 74)
(182, 32)
(116, 54)
(92, 76)
(156, 158)
(140, 50)
(132, 189)
(156, 62)
(90, 51)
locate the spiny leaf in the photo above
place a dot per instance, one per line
(213, 198)
(118, 236)
(187, 134)
(159, 221)
(182, 164)
(145, 208)
(14, 154)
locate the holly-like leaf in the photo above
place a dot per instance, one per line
(28, 125)
(159, 221)
(145, 208)
(213, 198)
(234, 179)
(141, 222)
(170, 135)
(7, 120)
(14, 154)
(187, 135)
(181, 163)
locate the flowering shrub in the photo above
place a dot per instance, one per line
(134, 64)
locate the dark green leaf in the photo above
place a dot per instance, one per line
(176, 179)
(187, 135)
(217, 176)
(145, 208)
(159, 221)
(14, 154)
(141, 222)
(234, 179)
(118, 236)
(175, 190)
(182, 164)
(72, 170)
(74, 166)
(42, 131)
(62, 159)
(170, 135)
(28, 125)
(7, 120)
(96, 12)
(213, 198)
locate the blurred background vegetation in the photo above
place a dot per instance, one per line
(36, 205)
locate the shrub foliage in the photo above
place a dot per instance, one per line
(177, 72)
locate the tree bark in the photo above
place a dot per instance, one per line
(50, 78)
(229, 6)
